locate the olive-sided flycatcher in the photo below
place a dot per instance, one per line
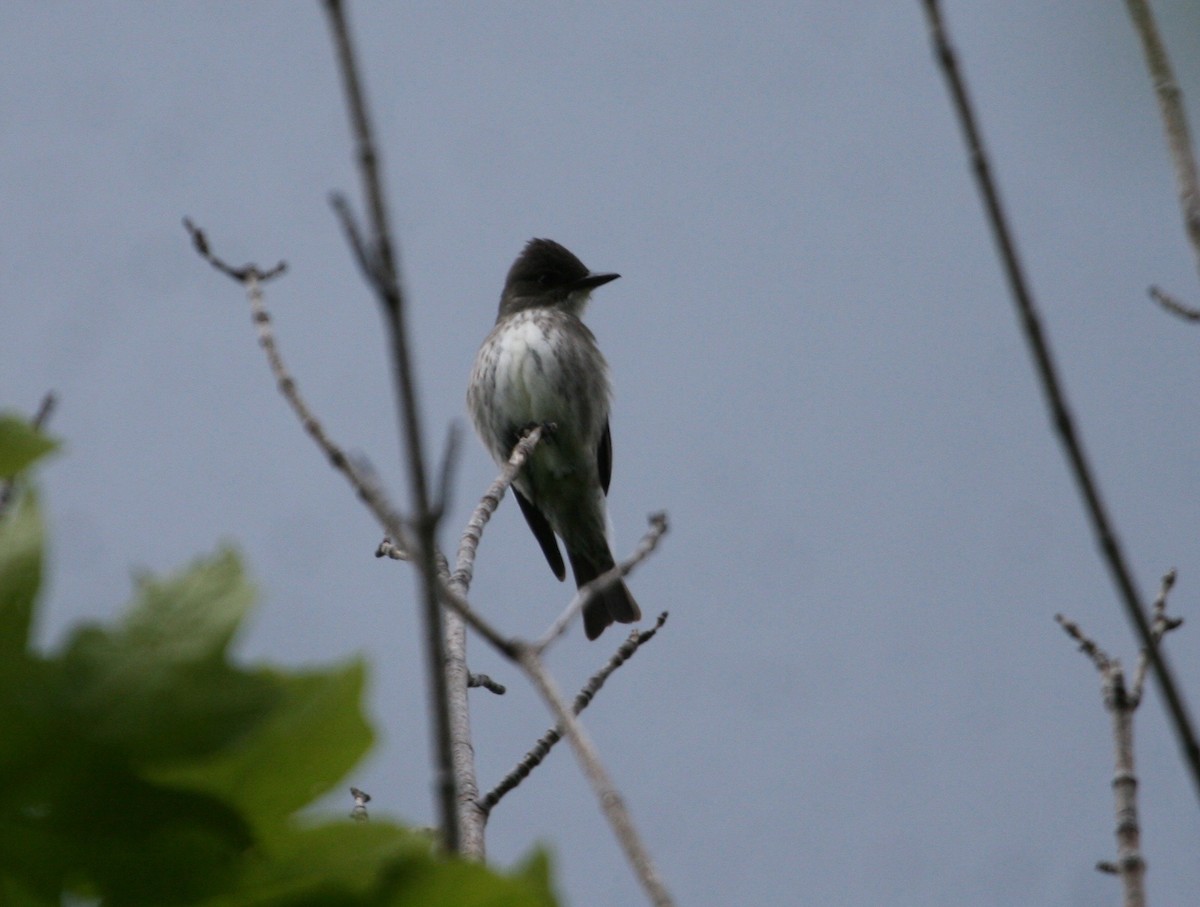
(540, 365)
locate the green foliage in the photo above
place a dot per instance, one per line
(20, 445)
(140, 766)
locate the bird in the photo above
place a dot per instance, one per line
(541, 365)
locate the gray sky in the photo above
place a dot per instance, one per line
(861, 696)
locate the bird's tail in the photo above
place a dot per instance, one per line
(613, 604)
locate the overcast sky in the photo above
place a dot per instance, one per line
(861, 696)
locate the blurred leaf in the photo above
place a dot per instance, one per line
(20, 573)
(20, 445)
(158, 686)
(139, 843)
(459, 883)
(351, 863)
(314, 734)
(139, 766)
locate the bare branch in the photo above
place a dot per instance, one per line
(1056, 401)
(482, 680)
(612, 804)
(388, 548)
(1161, 625)
(472, 820)
(243, 274)
(1098, 656)
(378, 250)
(441, 502)
(658, 528)
(1129, 866)
(362, 255)
(1173, 305)
(546, 742)
(361, 480)
(464, 568)
(458, 603)
(45, 408)
(1178, 136)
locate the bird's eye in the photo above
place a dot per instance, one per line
(543, 278)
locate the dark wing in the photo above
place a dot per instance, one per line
(544, 534)
(604, 457)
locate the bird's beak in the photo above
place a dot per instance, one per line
(593, 280)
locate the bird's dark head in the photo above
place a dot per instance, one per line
(547, 274)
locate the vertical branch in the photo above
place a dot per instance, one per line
(1175, 126)
(1130, 865)
(1056, 401)
(1120, 704)
(378, 257)
(472, 818)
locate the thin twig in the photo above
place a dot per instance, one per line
(464, 568)
(612, 804)
(1056, 400)
(445, 484)
(388, 548)
(541, 749)
(486, 682)
(1173, 305)
(378, 252)
(45, 408)
(243, 274)
(1089, 648)
(361, 480)
(1178, 136)
(1161, 624)
(658, 528)
(341, 207)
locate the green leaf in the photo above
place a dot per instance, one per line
(20, 445)
(20, 573)
(435, 882)
(140, 843)
(158, 687)
(190, 616)
(314, 733)
(377, 864)
(139, 766)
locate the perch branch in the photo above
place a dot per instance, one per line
(546, 742)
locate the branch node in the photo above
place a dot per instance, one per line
(482, 680)
(361, 799)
